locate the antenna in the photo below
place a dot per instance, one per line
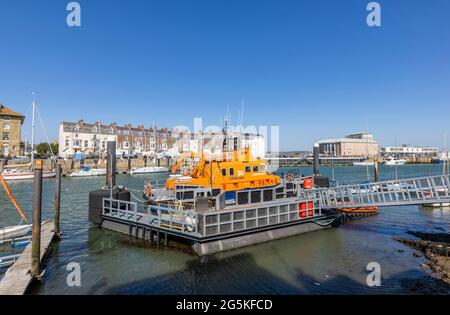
(445, 155)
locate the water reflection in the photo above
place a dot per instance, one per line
(331, 261)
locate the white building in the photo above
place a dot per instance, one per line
(355, 145)
(409, 151)
(91, 139)
(75, 138)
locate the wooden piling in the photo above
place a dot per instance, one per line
(111, 164)
(36, 230)
(375, 170)
(58, 200)
(129, 164)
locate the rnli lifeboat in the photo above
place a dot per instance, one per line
(230, 172)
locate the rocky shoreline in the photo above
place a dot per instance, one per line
(436, 248)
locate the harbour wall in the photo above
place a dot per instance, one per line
(123, 165)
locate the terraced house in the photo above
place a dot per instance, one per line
(91, 138)
(10, 130)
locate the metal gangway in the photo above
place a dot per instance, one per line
(411, 191)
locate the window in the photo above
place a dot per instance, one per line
(224, 172)
(5, 150)
(231, 171)
(103, 144)
(5, 135)
(262, 168)
(67, 142)
(248, 169)
(86, 143)
(255, 168)
(6, 125)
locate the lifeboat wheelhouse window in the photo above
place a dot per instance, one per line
(255, 168)
(262, 168)
(231, 171)
(248, 169)
(224, 172)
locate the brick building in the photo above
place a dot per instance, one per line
(10, 130)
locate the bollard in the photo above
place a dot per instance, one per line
(145, 161)
(58, 200)
(36, 230)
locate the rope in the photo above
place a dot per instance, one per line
(326, 223)
(45, 133)
(138, 199)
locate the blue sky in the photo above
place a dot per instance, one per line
(312, 67)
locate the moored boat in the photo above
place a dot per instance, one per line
(16, 174)
(148, 170)
(14, 231)
(86, 172)
(364, 163)
(391, 161)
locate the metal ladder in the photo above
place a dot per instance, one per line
(412, 191)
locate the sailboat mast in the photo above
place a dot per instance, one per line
(32, 132)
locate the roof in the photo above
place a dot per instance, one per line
(347, 140)
(5, 111)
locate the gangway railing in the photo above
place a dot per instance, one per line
(7, 261)
(184, 221)
(413, 191)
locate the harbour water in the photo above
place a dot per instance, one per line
(331, 261)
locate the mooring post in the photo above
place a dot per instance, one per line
(71, 164)
(111, 163)
(58, 200)
(129, 164)
(375, 170)
(316, 160)
(36, 230)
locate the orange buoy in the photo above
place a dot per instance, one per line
(308, 183)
